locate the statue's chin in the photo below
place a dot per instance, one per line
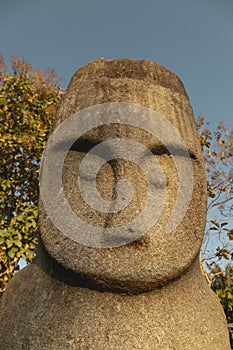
(139, 265)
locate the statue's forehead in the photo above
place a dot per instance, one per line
(179, 134)
(142, 82)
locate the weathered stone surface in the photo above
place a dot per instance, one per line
(43, 313)
(151, 262)
(148, 294)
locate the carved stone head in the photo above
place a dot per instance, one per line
(168, 173)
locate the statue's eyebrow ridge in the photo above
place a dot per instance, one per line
(173, 150)
(86, 144)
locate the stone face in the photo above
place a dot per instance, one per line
(151, 262)
(147, 294)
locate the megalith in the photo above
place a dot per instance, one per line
(121, 277)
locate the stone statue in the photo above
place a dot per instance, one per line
(130, 291)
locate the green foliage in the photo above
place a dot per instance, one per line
(226, 297)
(28, 100)
(222, 285)
(221, 281)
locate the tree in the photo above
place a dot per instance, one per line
(216, 260)
(28, 100)
(218, 154)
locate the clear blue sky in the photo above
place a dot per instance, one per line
(194, 38)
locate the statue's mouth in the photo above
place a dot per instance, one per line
(143, 241)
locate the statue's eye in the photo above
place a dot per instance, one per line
(83, 145)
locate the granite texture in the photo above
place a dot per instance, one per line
(150, 261)
(42, 312)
